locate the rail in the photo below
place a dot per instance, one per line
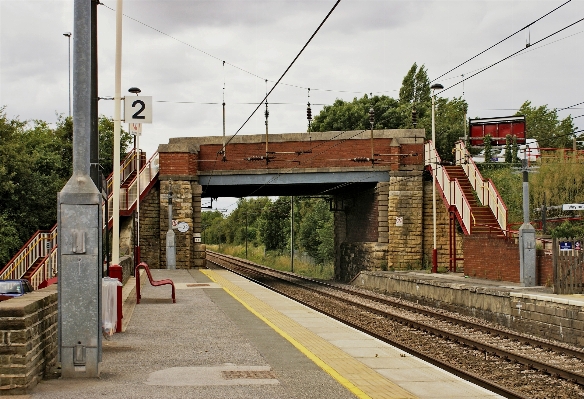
(451, 189)
(38, 246)
(486, 191)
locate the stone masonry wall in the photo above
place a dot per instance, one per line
(182, 211)
(358, 256)
(405, 200)
(551, 318)
(28, 340)
(150, 228)
(442, 231)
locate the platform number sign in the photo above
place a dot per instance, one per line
(138, 109)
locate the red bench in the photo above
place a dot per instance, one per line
(154, 283)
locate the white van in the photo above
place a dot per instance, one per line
(529, 150)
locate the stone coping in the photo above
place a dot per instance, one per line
(496, 288)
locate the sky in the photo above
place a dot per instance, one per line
(173, 50)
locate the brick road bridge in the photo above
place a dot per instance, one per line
(381, 200)
(381, 203)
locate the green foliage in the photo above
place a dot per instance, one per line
(568, 230)
(559, 180)
(315, 234)
(509, 185)
(274, 224)
(343, 115)
(543, 124)
(35, 163)
(268, 226)
(106, 144)
(397, 114)
(508, 154)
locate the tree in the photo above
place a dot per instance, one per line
(343, 115)
(274, 224)
(106, 144)
(316, 229)
(35, 163)
(414, 93)
(543, 124)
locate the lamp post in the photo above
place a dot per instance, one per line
(138, 154)
(68, 34)
(434, 87)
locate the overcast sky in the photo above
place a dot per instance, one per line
(365, 46)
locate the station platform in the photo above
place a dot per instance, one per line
(227, 337)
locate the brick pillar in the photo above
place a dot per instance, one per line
(405, 204)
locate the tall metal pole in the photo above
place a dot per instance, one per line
(170, 238)
(79, 218)
(68, 34)
(434, 166)
(434, 87)
(117, 134)
(94, 171)
(292, 234)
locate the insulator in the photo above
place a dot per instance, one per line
(414, 117)
(361, 159)
(371, 115)
(308, 113)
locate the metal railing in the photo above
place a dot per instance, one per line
(451, 189)
(39, 246)
(486, 191)
(42, 245)
(46, 270)
(128, 195)
(129, 165)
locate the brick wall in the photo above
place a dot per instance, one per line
(491, 258)
(28, 340)
(188, 155)
(544, 264)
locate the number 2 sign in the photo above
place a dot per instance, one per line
(138, 109)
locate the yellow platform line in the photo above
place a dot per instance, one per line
(361, 380)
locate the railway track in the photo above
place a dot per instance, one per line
(511, 364)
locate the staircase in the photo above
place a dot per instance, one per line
(484, 222)
(474, 200)
(37, 259)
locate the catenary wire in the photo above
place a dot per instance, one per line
(509, 56)
(501, 41)
(286, 71)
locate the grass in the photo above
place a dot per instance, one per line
(276, 261)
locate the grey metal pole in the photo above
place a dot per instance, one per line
(68, 34)
(527, 251)
(170, 238)
(292, 234)
(80, 225)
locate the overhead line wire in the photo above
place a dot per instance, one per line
(515, 53)
(286, 71)
(501, 41)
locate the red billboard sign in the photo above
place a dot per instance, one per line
(497, 128)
